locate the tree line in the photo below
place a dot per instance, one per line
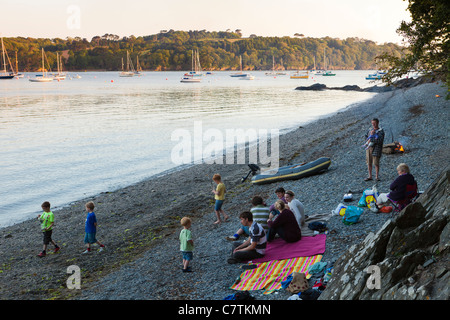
(171, 51)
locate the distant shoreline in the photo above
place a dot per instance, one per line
(204, 70)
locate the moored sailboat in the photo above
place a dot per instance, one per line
(326, 73)
(59, 74)
(138, 71)
(4, 75)
(195, 75)
(239, 74)
(44, 77)
(17, 74)
(129, 72)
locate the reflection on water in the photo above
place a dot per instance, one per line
(63, 141)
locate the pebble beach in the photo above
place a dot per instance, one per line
(140, 224)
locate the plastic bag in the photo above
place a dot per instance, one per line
(352, 215)
(340, 209)
(369, 195)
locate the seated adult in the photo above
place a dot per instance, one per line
(285, 225)
(399, 186)
(255, 245)
(280, 195)
(260, 215)
(296, 207)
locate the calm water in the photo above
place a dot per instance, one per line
(63, 141)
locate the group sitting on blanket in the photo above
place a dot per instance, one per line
(262, 224)
(263, 215)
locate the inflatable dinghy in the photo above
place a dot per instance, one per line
(295, 171)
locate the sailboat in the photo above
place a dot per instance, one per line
(4, 74)
(138, 71)
(44, 77)
(17, 74)
(195, 75)
(272, 73)
(59, 74)
(315, 71)
(326, 73)
(129, 72)
(239, 74)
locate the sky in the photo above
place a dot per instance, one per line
(375, 20)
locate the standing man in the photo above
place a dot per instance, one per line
(373, 153)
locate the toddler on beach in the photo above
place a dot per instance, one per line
(219, 197)
(186, 243)
(47, 219)
(369, 143)
(91, 228)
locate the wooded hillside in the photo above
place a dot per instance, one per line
(171, 50)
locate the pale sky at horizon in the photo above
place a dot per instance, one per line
(375, 20)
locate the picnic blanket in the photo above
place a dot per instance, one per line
(278, 249)
(269, 275)
(318, 217)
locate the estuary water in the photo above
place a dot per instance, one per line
(67, 140)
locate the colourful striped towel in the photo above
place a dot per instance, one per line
(269, 275)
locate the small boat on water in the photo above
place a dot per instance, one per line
(273, 72)
(328, 74)
(44, 77)
(17, 74)
(129, 71)
(190, 79)
(195, 75)
(239, 74)
(375, 76)
(60, 75)
(300, 75)
(292, 172)
(247, 77)
(138, 71)
(4, 75)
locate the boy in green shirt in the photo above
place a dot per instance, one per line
(186, 243)
(47, 220)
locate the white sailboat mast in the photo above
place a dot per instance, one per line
(3, 55)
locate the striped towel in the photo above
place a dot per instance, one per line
(269, 275)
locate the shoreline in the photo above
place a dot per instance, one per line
(140, 223)
(167, 172)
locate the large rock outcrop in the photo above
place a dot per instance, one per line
(407, 259)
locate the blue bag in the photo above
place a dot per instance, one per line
(352, 215)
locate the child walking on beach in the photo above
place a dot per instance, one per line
(47, 219)
(91, 228)
(219, 197)
(186, 243)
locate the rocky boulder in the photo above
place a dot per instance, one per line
(407, 259)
